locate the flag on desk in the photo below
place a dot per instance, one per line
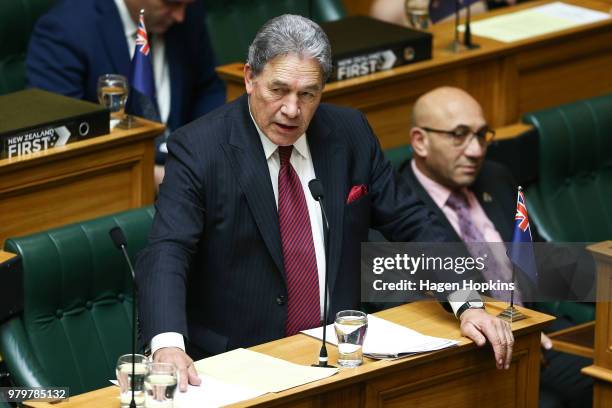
(142, 101)
(440, 9)
(521, 250)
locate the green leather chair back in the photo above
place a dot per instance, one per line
(572, 199)
(77, 315)
(232, 24)
(398, 155)
(17, 18)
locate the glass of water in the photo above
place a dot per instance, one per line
(124, 377)
(113, 94)
(160, 385)
(417, 13)
(351, 327)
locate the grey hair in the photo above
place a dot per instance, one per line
(290, 34)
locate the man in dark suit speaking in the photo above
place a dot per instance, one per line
(236, 253)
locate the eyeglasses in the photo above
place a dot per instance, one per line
(462, 135)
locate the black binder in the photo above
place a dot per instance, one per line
(34, 120)
(363, 45)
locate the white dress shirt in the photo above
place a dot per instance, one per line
(161, 72)
(301, 160)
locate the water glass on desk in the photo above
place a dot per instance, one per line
(113, 94)
(124, 377)
(351, 327)
(160, 385)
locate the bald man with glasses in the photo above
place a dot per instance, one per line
(476, 200)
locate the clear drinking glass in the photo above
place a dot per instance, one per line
(160, 385)
(417, 13)
(113, 94)
(124, 377)
(351, 327)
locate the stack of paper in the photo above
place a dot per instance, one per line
(535, 21)
(260, 372)
(385, 339)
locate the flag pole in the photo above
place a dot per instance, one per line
(512, 314)
(467, 35)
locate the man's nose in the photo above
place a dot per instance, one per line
(290, 107)
(475, 148)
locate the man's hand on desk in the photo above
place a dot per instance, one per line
(480, 326)
(186, 369)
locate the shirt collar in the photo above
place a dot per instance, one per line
(438, 192)
(300, 145)
(129, 26)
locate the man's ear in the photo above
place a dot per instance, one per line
(419, 141)
(248, 78)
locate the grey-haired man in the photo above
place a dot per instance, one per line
(236, 255)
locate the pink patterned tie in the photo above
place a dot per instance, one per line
(303, 310)
(477, 246)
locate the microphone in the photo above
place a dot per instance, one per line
(120, 242)
(316, 190)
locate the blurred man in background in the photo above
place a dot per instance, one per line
(77, 41)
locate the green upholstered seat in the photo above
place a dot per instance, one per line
(572, 199)
(232, 24)
(17, 18)
(77, 315)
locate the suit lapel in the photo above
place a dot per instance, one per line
(418, 189)
(113, 36)
(494, 210)
(329, 157)
(247, 158)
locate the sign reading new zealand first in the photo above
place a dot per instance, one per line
(32, 142)
(362, 45)
(33, 120)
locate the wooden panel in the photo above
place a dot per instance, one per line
(601, 370)
(451, 377)
(359, 7)
(78, 181)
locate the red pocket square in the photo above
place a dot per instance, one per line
(356, 193)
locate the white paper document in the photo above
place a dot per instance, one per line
(387, 340)
(211, 394)
(534, 21)
(259, 371)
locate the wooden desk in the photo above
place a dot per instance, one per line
(81, 180)
(463, 376)
(601, 370)
(508, 79)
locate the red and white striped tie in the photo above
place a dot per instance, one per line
(303, 310)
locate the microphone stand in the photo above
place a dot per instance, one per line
(467, 35)
(316, 189)
(119, 240)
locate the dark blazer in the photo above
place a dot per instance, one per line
(79, 40)
(213, 270)
(494, 182)
(496, 192)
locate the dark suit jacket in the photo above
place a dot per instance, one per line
(213, 270)
(497, 183)
(79, 40)
(493, 181)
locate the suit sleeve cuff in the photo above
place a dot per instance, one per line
(460, 297)
(169, 339)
